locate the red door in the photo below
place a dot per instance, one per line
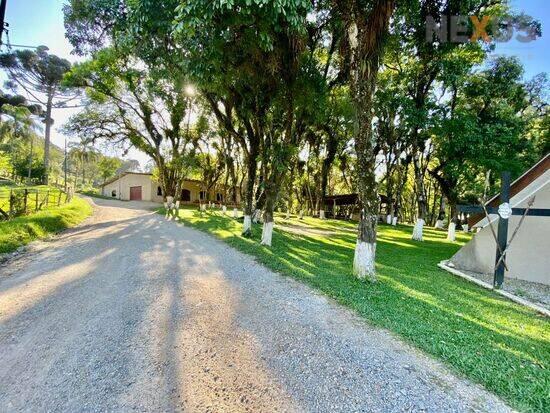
(135, 193)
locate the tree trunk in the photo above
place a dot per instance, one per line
(30, 161)
(83, 175)
(269, 208)
(421, 199)
(451, 232)
(403, 174)
(441, 215)
(332, 146)
(252, 166)
(366, 40)
(389, 194)
(49, 105)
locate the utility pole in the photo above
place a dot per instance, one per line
(2, 17)
(65, 162)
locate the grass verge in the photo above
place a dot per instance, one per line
(488, 339)
(22, 230)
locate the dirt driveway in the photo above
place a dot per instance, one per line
(130, 312)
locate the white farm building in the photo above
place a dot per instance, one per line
(136, 186)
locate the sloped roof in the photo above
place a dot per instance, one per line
(116, 178)
(516, 187)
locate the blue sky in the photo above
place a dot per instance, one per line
(40, 22)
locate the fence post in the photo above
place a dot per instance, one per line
(47, 198)
(59, 198)
(11, 202)
(36, 202)
(26, 195)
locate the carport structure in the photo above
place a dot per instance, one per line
(347, 206)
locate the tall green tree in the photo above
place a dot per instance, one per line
(17, 130)
(82, 153)
(108, 167)
(246, 57)
(483, 128)
(40, 75)
(366, 27)
(130, 107)
(421, 60)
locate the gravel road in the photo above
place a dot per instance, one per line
(129, 312)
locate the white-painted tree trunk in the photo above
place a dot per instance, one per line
(203, 207)
(388, 219)
(267, 234)
(465, 228)
(247, 224)
(235, 213)
(287, 215)
(439, 224)
(394, 221)
(301, 216)
(451, 233)
(322, 214)
(224, 210)
(363, 261)
(418, 230)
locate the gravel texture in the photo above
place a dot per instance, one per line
(536, 293)
(130, 312)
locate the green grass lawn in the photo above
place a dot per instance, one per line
(22, 230)
(492, 341)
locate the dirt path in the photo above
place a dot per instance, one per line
(132, 313)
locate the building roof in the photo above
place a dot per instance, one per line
(535, 172)
(116, 178)
(349, 199)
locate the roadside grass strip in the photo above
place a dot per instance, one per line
(24, 229)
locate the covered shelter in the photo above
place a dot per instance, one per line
(347, 206)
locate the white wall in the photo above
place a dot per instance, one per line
(122, 187)
(149, 188)
(528, 257)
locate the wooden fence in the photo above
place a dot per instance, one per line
(24, 201)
